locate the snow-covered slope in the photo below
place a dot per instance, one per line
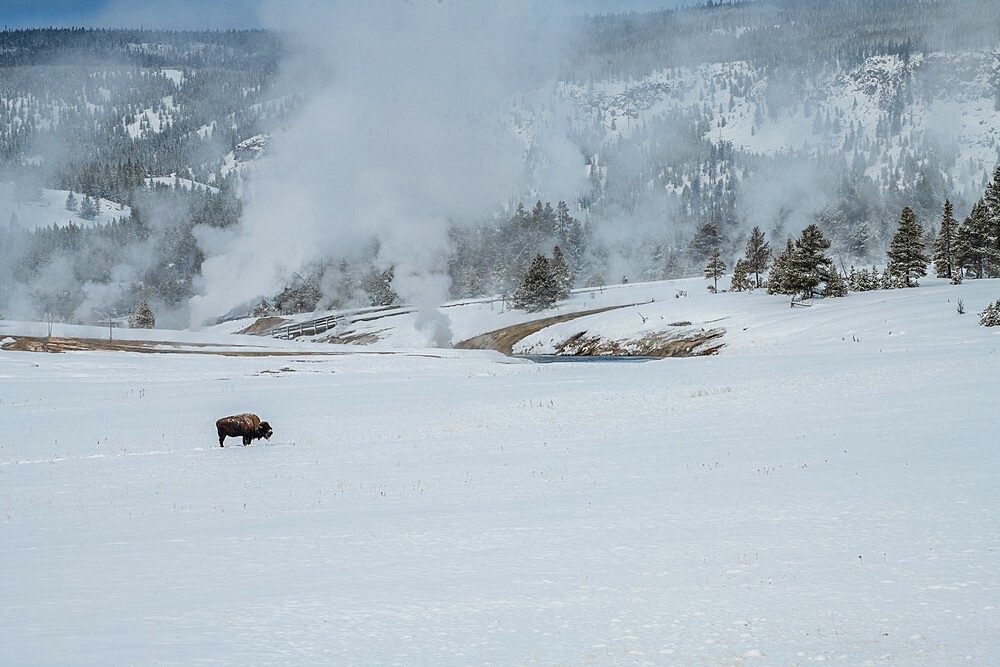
(49, 208)
(186, 183)
(824, 490)
(751, 321)
(943, 104)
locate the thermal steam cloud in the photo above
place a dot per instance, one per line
(403, 134)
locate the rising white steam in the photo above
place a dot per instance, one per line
(405, 132)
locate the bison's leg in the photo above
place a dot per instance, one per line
(246, 440)
(222, 436)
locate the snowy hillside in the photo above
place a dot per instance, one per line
(885, 109)
(49, 208)
(750, 321)
(823, 489)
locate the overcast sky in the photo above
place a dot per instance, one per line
(188, 14)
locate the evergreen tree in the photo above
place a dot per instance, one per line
(71, 203)
(807, 268)
(972, 241)
(856, 279)
(944, 245)
(991, 224)
(741, 277)
(875, 282)
(778, 278)
(88, 209)
(715, 269)
(378, 286)
(835, 285)
(758, 254)
(142, 316)
(905, 256)
(706, 241)
(538, 289)
(990, 317)
(672, 267)
(560, 270)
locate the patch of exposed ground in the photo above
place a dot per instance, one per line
(354, 338)
(504, 340)
(55, 344)
(265, 324)
(656, 344)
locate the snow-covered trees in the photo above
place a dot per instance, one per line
(142, 317)
(71, 203)
(808, 266)
(801, 267)
(561, 272)
(89, 208)
(262, 309)
(378, 286)
(906, 258)
(990, 317)
(539, 289)
(864, 280)
(545, 282)
(835, 284)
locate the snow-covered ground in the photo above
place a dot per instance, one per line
(825, 489)
(49, 208)
(174, 181)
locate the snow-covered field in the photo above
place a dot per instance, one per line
(825, 489)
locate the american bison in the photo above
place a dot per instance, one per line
(246, 426)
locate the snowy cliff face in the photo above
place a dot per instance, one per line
(939, 108)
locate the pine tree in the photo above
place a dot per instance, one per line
(808, 262)
(71, 203)
(706, 240)
(854, 280)
(875, 280)
(990, 317)
(905, 256)
(560, 270)
(88, 210)
(991, 201)
(758, 254)
(944, 245)
(777, 278)
(972, 241)
(835, 285)
(142, 317)
(538, 289)
(715, 269)
(741, 277)
(378, 286)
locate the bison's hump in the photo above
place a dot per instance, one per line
(246, 422)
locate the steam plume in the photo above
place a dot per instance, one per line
(403, 134)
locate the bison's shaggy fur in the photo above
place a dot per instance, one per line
(246, 426)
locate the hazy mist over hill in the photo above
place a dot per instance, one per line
(345, 154)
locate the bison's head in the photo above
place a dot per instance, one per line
(264, 430)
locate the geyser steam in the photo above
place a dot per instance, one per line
(404, 132)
